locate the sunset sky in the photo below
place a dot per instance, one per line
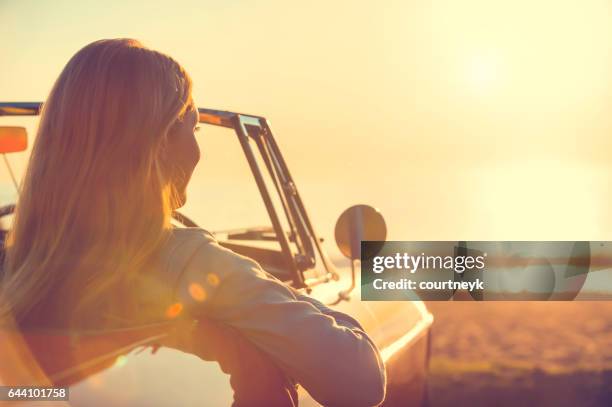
(472, 119)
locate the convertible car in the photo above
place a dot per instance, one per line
(128, 367)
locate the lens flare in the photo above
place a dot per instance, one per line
(174, 310)
(213, 279)
(197, 292)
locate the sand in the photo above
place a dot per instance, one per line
(521, 353)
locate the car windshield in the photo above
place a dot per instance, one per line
(222, 197)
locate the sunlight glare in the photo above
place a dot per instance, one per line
(483, 72)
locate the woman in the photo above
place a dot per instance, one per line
(92, 244)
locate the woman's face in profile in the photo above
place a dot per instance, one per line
(183, 153)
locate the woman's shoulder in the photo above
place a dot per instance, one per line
(198, 248)
(198, 266)
(181, 245)
(191, 234)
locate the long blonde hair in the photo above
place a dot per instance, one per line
(96, 199)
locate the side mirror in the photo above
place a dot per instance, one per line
(13, 139)
(357, 223)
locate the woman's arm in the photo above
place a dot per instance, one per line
(326, 352)
(340, 317)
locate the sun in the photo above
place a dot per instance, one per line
(483, 72)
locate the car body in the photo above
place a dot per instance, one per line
(290, 250)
